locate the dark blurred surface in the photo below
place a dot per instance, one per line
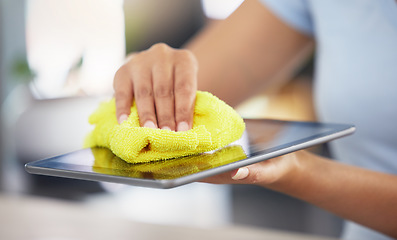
(256, 206)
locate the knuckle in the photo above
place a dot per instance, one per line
(185, 71)
(137, 61)
(144, 92)
(134, 61)
(187, 57)
(163, 91)
(161, 47)
(187, 54)
(254, 177)
(184, 88)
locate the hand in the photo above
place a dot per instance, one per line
(163, 83)
(269, 173)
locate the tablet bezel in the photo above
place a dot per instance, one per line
(337, 131)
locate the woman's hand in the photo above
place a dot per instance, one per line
(163, 83)
(270, 173)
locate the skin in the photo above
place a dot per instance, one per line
(235, 58)
(163, 82)
(364, 196)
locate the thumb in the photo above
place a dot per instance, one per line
(262, 172)
(240, 174)
(248, 175)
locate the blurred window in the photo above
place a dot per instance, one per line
(74, 47)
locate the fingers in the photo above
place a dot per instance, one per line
(163, 87)
(143, 93)
(123, 94)
(240, 174)
(263, 173)
(257, 173)
(163, 83)
(237, 176)
(185, 90)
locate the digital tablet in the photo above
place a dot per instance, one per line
(262, 140)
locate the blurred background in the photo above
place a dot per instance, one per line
(57, 63)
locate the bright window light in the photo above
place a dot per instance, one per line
(74, 47)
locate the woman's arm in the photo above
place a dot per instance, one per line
(234, 59)
(247, 52)
(251, 50)
(366, 197)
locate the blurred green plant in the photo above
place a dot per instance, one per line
(20, 70)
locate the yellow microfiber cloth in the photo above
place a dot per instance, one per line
(108, 163)
(215, 125)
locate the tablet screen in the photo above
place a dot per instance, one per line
(263, 139)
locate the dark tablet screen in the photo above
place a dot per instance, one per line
(263, 139)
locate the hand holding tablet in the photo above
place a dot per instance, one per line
(263, 139)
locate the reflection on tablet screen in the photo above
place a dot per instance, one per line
(108, 163)
(262, 140)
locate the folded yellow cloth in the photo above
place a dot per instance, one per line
(108, 163)
(215, 125)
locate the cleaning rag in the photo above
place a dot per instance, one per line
(215, 125)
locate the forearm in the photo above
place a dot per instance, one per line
(366, 197)
(247, 52)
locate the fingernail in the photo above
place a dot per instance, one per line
(122, 118)
(241, 174)
(182, 126)
(166, 128)
(149, 124)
